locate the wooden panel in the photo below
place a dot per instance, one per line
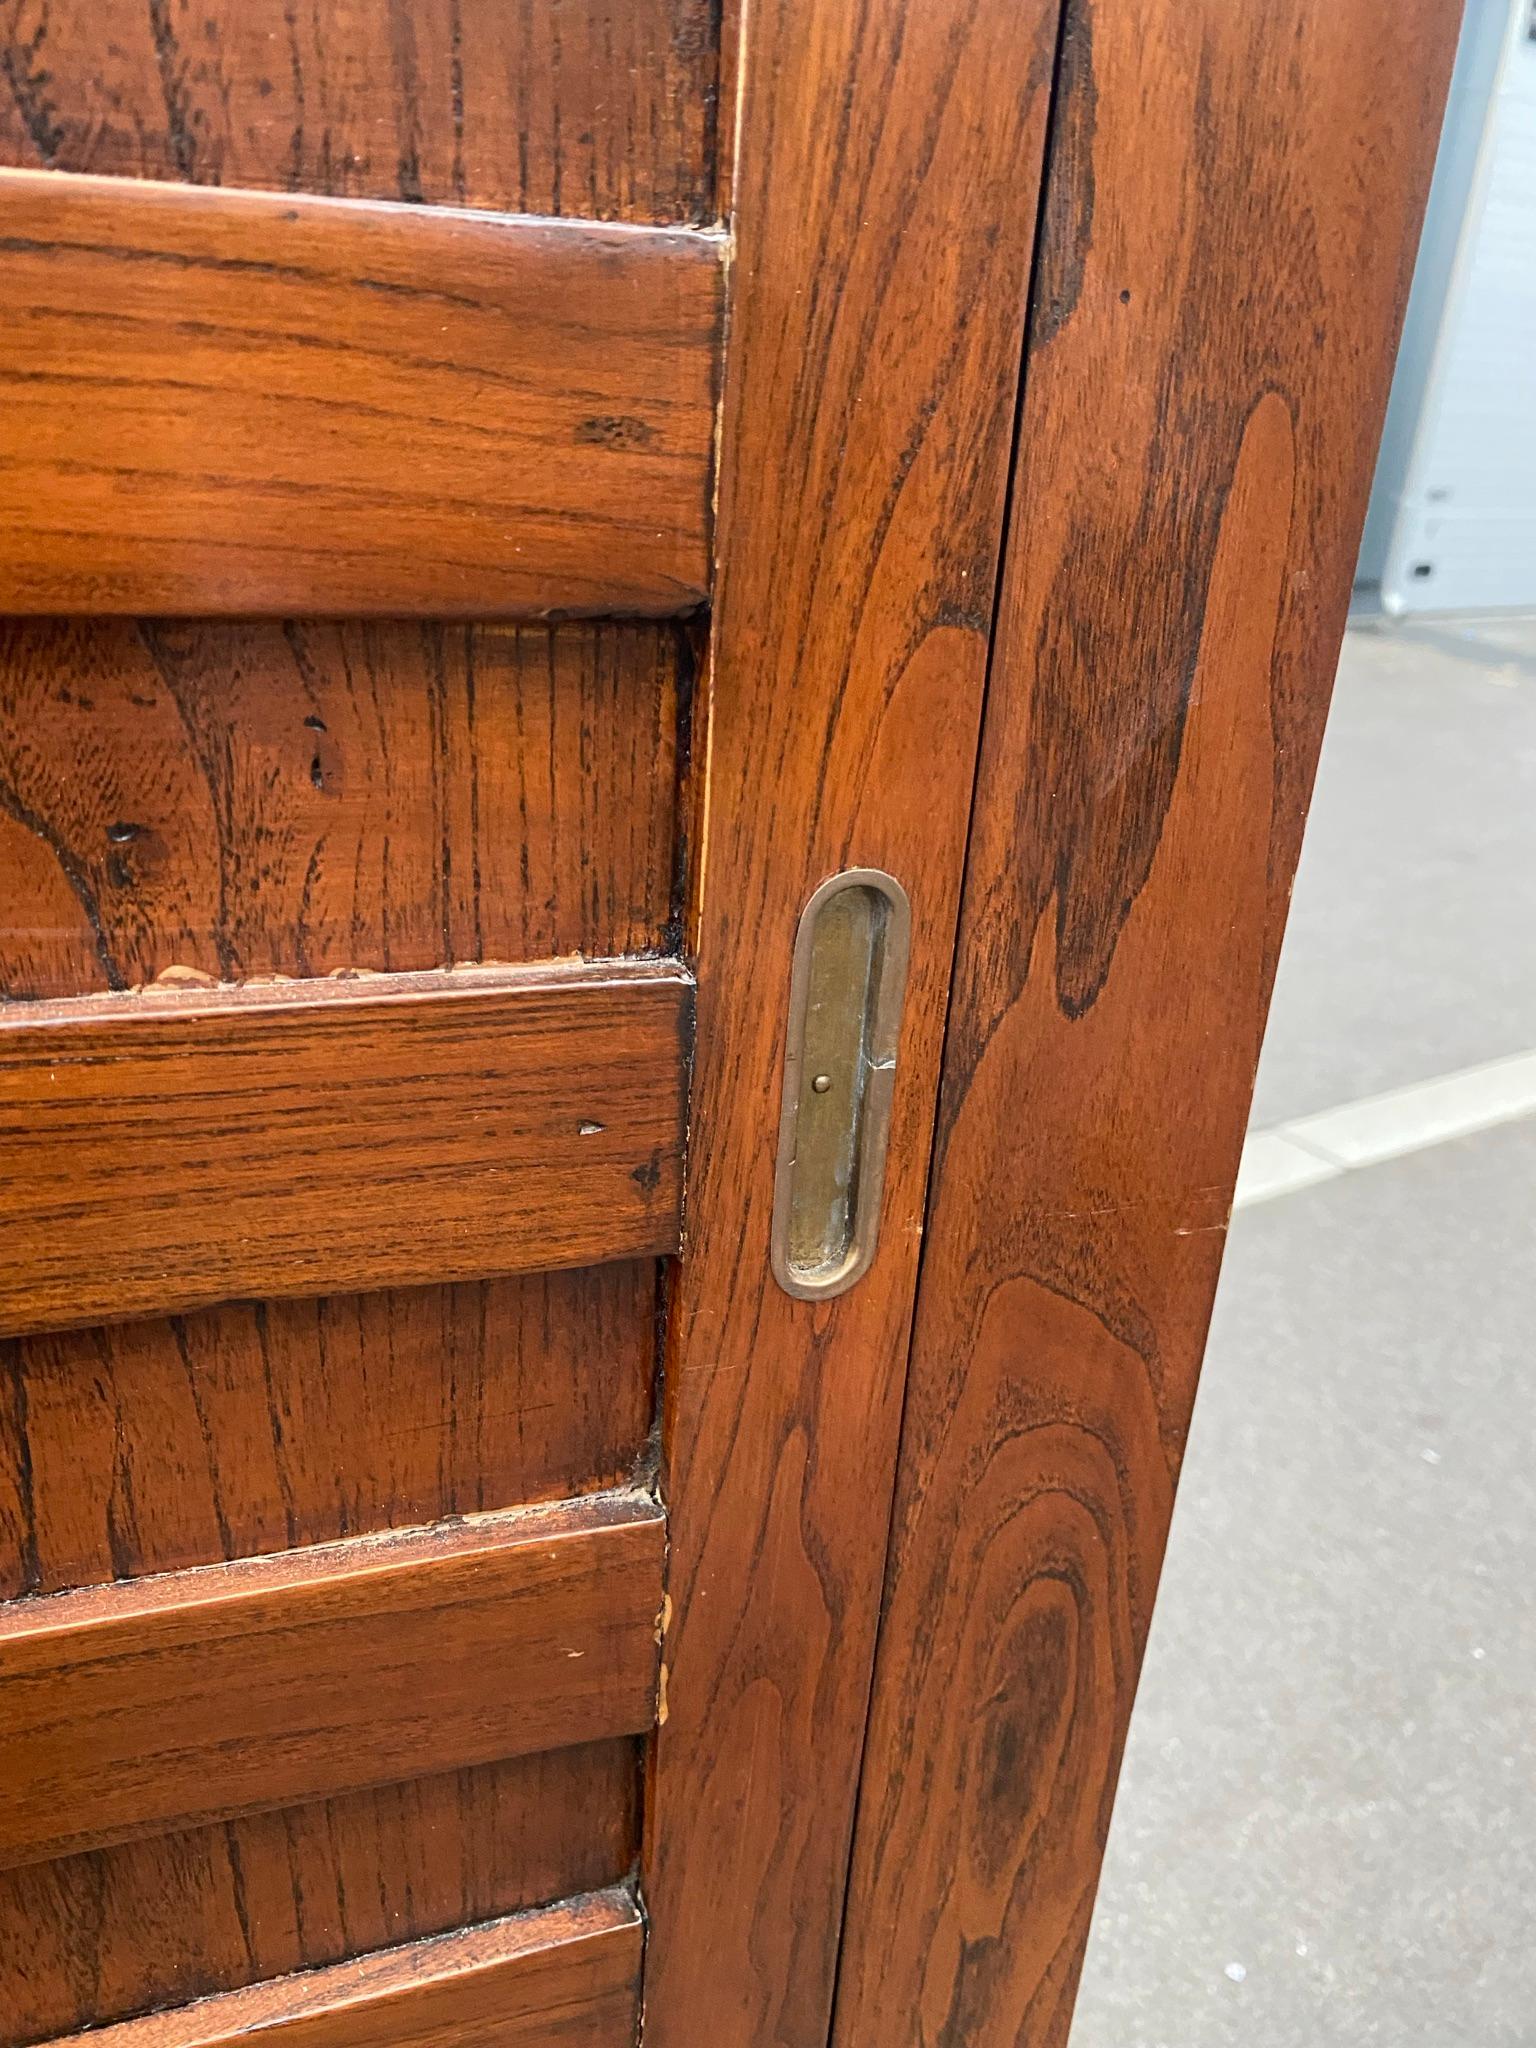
(568, 1976)
(171, 1701)
(168, 1151)
(258, 1426)
(1235, 194)
(167, 1918)
(242, 798)
(230, 401)
(566, 106)
(885, 213)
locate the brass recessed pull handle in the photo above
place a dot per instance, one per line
(845, 1000)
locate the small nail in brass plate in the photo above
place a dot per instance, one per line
(845, 1000)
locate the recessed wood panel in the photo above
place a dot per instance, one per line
(569, 1975)
(238, 798)
(165, 1702)
(262, 1426)
(230, 402)
(559, 106)
(168, 1151)
(167, 1918)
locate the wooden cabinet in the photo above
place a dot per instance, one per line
(501, 506)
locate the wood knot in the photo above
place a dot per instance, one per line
(616, 430)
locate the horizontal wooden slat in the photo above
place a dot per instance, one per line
(168, 1702)
(173, 1149)
(568, 1975)
(245, 402)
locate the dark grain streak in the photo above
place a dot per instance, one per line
(1066, 228)
(26, 76)
(168, 64)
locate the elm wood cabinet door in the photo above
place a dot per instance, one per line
(1233, 199)
(437, 667)
(501, 506)
(361, 379)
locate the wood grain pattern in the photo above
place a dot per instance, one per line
(235, 798)
(1234, 198)
(885, 216)
(235, 402)
(260, 1426)
(567, 1977)
(167, 1702)
(564, 107)
(171, 1150)
(167, 1918)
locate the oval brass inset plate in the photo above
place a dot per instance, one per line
(845, 1001)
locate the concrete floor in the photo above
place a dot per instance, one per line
(1326, 1832)
(1411, 949)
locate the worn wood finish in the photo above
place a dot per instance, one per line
(596, 109)
(166, 1702)
(569, 1975)
(235, 402)
(167, 1918)
(262, 797)
(1234, 198)
(885, 218)
(259, 1426)
(168, 1151)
